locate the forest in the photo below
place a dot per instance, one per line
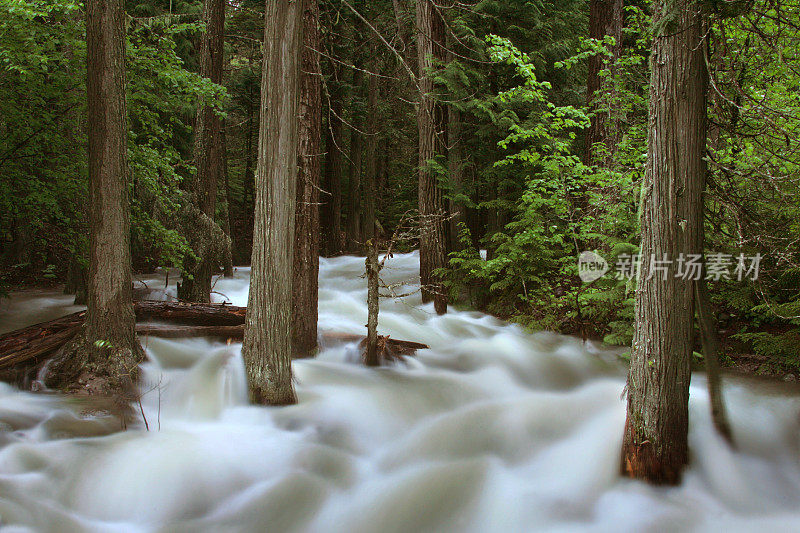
(407, 265)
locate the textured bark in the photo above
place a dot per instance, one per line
(655, 444)
(106, 351)
(373, 272)
(605, 18)
(432, 142)
(267, 347)
(331, 215)
(305, 284)
(354, 239)
(208, 154)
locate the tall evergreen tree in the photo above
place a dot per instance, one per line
(305, 297)
(432, 142)
(267, 347)
(655, 444)
(208, 159)
(107, 347)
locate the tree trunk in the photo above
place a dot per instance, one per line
(196, 283)
(356, 155)
(605, 18)
(305, 284)
(455, 167)
(106, 353)
(226, 215)
(371, 167)
(655, 444)
(267, 347)
(432, 142)
(331, 219)
(708, 338)
(373, 271)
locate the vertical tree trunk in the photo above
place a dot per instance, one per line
(356, 157)
(107, 347)
(655, 444)
(196, 283)
(432, 142)
(605, 18)
(306, 244)
(226, 215)
(331, 222)
(371, 167)
(455, 167)
(267, 347)
(373, 272)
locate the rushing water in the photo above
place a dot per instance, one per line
(492, 429)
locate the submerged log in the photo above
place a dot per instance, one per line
(23, 350)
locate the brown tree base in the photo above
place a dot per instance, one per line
(87, 367)
(264, 396)
(390, 350)
(640, 460)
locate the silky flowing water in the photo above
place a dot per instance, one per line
(492, 429)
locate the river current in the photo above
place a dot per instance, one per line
(493, 429)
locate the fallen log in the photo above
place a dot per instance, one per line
(23, 350)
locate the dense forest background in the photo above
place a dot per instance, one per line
(542, 125)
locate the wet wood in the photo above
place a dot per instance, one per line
(30, 346)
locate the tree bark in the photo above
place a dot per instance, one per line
(208, 154)
(655, 445)
(605, 18)
(371, 167)
(432, 142)
(455, 167)
(267, 347)
(354, 239)
(106, 351)
(373, 272)
(331, 218)
(305, 284)
(226, 215)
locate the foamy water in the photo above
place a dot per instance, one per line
(492, 429)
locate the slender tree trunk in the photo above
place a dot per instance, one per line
(305, 286)
(605, 18)
(107, 347)
(226, 215)
(356, 158)
(373, 273)
(196, 283)
(655, 444)
(249, 175)
(267, 347)
(455, 167)
(334, 170)
(432, 142)
(371, 167)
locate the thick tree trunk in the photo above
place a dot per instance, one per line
(105, 355)
(267, 348)
(331, 217)
(605, 18)
(208, 154)
(354, 238)
(432, 142)
(655, 444)
(305, 284)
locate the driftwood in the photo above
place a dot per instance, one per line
(23, 350)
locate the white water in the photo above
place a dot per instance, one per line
(492, 429)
